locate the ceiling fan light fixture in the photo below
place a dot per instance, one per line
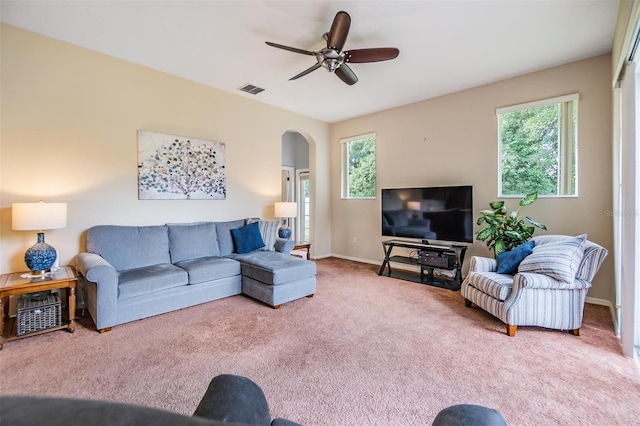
(333, 57)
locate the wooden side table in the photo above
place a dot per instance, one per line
(302, 245)
(16, 284)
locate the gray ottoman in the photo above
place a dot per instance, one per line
(276, 278)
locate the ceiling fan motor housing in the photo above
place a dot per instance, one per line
(331, 59)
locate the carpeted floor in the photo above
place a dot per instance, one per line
(366, 350)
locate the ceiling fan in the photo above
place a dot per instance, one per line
(334, 59)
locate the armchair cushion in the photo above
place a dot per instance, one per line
(509, 261)
(559, 260)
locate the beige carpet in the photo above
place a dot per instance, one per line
(366, 350)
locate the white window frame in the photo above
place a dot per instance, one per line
(565, 162)
(344, 178)
(303, 174)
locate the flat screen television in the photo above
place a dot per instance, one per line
(443, 213)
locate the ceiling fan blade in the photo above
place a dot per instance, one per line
(346, 74)
(371, 55)
(339, 31)
(305, 72)
(290, 49)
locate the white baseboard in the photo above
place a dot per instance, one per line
(356, 259)
(322, 256)
(607, 303)
(402, 266)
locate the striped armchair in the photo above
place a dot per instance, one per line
(532, 298)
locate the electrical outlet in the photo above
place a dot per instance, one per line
(355, 240)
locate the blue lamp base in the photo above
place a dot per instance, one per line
(40, 257)
(284, 232)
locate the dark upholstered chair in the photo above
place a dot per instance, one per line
(469, 415)
(229, 400)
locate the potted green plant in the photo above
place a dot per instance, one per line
(506, 230)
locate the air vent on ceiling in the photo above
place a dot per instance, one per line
(250, 88)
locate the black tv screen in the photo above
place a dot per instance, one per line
(443, 213)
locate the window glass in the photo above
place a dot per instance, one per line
(538, 148)
(359, 166)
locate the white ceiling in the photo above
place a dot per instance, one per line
(445, 46)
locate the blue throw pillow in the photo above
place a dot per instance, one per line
(247, 238)
(509, 260)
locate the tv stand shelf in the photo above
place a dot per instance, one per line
(430, 258)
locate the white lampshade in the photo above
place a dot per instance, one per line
(286, 209)
(38, 216)
(414, 205)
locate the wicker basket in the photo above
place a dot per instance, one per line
(35, 315)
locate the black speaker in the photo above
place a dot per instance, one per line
(430, 258)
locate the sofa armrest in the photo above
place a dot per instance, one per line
(96, 269)
(102, 297)
(284, 246)
(483, 264)
(532, 280)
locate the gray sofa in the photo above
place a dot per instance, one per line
(130, 272)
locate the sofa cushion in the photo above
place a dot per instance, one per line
(128, 247)
(275, 268)
(396, 217)
(205, 269)
(559, 260)
(149, 279)
(268, 232)
(192, 240)
(223, 232)
(247, 238)
(509, 260)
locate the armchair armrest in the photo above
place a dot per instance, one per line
(284, 246)
(532, 280)
(483, 264)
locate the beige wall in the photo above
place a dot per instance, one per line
(452, 140)
(69, 123)
(70, 116)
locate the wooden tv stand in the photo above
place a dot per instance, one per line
(428, 257)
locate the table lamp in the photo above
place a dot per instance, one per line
(415, 207)
(285, 210)
(39, 216)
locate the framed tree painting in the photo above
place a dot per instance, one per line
(178, 168)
